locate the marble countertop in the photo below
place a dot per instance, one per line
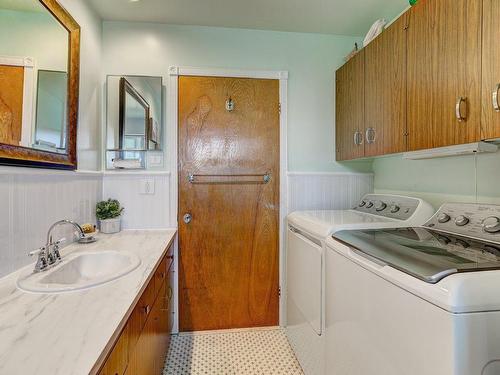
(51, 334)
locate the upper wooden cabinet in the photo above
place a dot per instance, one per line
(349, 109)
(443, 73)
(429, 81)
(385, 91)
(490, 91)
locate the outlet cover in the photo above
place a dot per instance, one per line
(147, 186)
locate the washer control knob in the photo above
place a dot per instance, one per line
(369, 204)
(443, 218)
(461, 220)
(491, 224)
(362, 204)
(395, 208)
(380, 206)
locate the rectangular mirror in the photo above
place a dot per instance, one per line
(134, 120)
(39, 71)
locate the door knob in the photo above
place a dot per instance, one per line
(187, 218)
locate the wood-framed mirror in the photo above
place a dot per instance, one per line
(39, 84)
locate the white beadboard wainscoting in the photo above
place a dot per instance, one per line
(34, 199)
(327, 191)
(142, 211)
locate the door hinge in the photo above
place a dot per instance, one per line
(279, 108)
(279, 292)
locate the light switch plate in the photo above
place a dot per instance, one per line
(147, 186)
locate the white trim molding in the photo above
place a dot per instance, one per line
(28, 120)
(172, 129)
(233, 73)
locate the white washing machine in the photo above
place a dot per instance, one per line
(416, 301)
(306, 235)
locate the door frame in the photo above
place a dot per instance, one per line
(172, 154)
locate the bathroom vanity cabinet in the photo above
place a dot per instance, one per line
(142, 344)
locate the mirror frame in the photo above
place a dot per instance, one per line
(30, 157)
(127, 88)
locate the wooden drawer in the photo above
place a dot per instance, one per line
(160, 275)
(145, 304)
(117, 361)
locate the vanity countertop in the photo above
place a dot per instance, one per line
(50, 334)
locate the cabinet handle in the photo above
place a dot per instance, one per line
(370, 135)
(458, 109)
(146, 309)
(358, 138)
(496, 105)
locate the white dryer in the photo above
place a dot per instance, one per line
(416, 301)
(305, 288)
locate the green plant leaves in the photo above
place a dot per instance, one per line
(109, 209)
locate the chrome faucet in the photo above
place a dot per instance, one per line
(49, 254)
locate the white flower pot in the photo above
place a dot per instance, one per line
(110, 225)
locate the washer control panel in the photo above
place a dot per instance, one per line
(469, 219)
(390, 206)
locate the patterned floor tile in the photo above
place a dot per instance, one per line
(252, 352)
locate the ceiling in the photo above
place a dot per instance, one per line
(351, 17)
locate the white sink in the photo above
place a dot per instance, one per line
(82, 270)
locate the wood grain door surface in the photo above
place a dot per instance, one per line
(229, 258)
(444, 63)
(490, 117)
(350, 108)
(11, 103)
(385, 91)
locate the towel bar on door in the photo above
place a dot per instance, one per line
(234, 179)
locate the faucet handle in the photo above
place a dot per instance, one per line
(37, 251)
(60, 241)
(41, 263)
(57, 254)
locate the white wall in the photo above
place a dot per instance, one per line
(31, 199)
(311, 59)
(34, 34)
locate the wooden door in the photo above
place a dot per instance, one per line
(385, 91)
(11, 103)
(229, 260)
(444, 64)
(490, 89)
(349, 108)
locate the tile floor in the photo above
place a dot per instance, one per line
(245, 352)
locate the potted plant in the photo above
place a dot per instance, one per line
(109, 215)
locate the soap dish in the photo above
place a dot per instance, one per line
(89, 237)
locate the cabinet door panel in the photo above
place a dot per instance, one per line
(444, 63)
(385, 91)
(349, 98)
(117, 361)
(490, 121)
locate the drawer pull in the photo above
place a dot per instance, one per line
(146, 309)
(170, 292)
